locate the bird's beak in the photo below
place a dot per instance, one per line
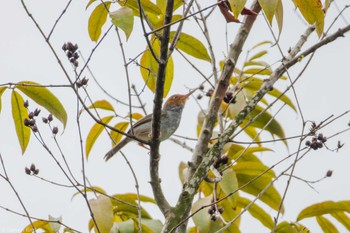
(191, 92)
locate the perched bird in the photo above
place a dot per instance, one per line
(170, 120)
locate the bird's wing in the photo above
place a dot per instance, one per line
(146, 119)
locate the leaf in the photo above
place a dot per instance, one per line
(2, 90)
(191, 46)
(255, 84)
(322, 208)
(148, 6)
(39, 224)
(229, 184)
(115, 136)
(45, 98)
(97, 19)
(271, 197)
(237, 6)
(89, 3)
(285, 227)
(261, 43)
(102, 104)
(253, 169)
(257, 212)
(95, 131)
(312, 12)
(123, 18)
(181, 170)
(103, 212)
(53, 222)
(343, 219)
(94, 189)
(279, 16)
(149, 69)
(326, 225)
(19, 113)
(162, 5)
(269, 7)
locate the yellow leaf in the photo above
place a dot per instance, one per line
(148, 6)
(312, 12)
(149, 69)
(102, 104)
(38, 225)
(279, 15)
(191, 46)
(103, 212)
(94, 133)
(97, 19)
(237, 6)
(45, 98)
(2, 90)
(269, 7)
(322, 208)
(19, 113)
(123, 18)
(326, 225)
(122, 126)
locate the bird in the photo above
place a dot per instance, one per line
(170, 121)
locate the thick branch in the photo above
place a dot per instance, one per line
(157, 109)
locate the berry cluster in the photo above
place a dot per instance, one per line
(213, 213)
(220, 161)
(229, 98)
(30, 121)
(32, 170)
(47, 120)
(82, 82)
(71, 52)
(316, 142)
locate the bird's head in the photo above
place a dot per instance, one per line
(177, 100)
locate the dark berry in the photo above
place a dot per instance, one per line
(36, 172)
(27, 170)
(45, 120)
(34, 128)
(199, 96)
(26, 122)
(50, 117)
(37, 111)
(209, 92)
(55, 130)
(329, 173)
(32, 167)
(26, 104)
(307, 143)
(31, 115)
(201, 87)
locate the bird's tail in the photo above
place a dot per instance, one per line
(116, 148)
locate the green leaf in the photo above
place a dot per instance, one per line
(102, 104)
(255, 84)
(229, 184)
(2, 90)
(148, 6)
(343, 219)
(253, 169)
(94, 133)
(271, 197)
(312, 12)
(149, 69)
(322, 208)
(162, 5)
(191, 46)
(269, 7)
(103, 212)
(237, 6)
(97, 19)
(326, 225)
(45, 98)
(257, 212)
(265, 118)
(19, 113)
(123, 18)
(285, 227)
(115, 136)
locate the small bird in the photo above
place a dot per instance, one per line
(170, 120)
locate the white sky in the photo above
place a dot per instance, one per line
(322, 91)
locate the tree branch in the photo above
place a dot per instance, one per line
(157, 110)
